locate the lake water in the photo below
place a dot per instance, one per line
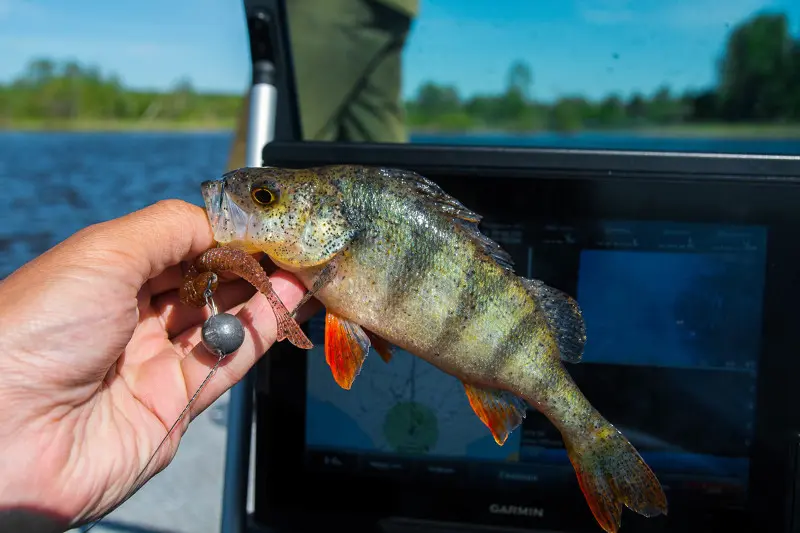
(57, 183)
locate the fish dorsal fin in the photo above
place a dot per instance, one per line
(434, 196)
(564, 317)
(501, 411)
(346, 348)
(431, 193)
(490, 248)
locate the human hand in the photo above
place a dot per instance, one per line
(98, 358)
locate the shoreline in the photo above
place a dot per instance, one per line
(706, 131)
(118, 126)
(688, 131)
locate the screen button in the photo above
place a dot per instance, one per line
(518, 474)
(386, 466)
(331, 460)
(445, 472)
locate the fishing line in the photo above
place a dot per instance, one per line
(222, 337)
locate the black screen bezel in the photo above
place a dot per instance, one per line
(747, 189)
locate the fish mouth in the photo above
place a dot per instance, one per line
(229, 222)
(213, 191)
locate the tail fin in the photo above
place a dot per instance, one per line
(611, 473)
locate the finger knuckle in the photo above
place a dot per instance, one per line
(89, 232)
(175, 206)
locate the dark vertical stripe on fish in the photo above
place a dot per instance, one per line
(469, 305)
(520, 335)
(408, 274)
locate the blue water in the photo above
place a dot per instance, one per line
(57, 183)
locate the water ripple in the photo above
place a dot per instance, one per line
(57, 183)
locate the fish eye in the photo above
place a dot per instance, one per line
(263, 196)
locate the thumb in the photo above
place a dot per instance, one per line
(141, 245)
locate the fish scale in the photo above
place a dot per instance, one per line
(397, 261)
(422, 267)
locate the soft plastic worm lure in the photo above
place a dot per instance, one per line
(247, 267)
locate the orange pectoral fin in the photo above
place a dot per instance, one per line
(381, 345)
(501, 411)
(346, 347)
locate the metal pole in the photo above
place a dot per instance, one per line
(263, 103)
(261, 130)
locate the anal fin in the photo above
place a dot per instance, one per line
(501, 411)
(346, 347)
(381, 345)
(564, 317)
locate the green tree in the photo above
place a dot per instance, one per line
(39, 72)
(50, 90)
(757, 70)
(567, 115)
(520, 80)
(611, 111)
(439, 106)
(636, 108)
(666, 109)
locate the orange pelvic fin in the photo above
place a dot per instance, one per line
(501, 411)
(381, 345)
(346, 347)
(611, 473)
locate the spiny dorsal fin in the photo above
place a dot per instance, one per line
(466, 219)
(433, 194)
(491, 248)
(564, 317)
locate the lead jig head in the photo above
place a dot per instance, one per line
(222, 333)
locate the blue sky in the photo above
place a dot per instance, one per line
(589, 47)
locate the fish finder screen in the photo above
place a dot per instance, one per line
(673, 315)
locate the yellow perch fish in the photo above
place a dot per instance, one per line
(397, 261)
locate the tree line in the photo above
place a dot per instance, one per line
(49, 90)
(758, 82)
